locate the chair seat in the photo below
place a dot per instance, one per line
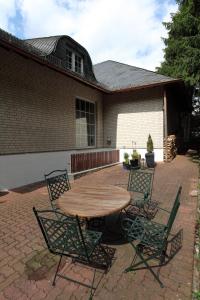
(146, 231)
(147, 210)
(72, 245)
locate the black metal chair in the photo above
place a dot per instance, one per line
(67, 238)
(153, 243)
(141, 182)
(57, 184)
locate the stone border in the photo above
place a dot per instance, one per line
(196, 266)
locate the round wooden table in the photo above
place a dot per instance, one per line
(94, 201)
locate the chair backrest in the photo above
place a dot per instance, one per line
(174, 211)
(62, 237)
(140, 181)
(57, 183)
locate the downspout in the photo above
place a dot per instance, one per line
(165, 131)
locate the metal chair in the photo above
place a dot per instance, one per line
(67, 238)
(140, 182)
(57, 184)
(153, 243)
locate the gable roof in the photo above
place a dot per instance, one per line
(117, 76)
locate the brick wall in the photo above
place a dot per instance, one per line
(37, 107)
(130, 117)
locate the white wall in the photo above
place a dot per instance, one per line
(21, 169)
(129, 118)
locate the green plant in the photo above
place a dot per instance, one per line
(126, 158)
(135, 155)
(196, 295)
(149, 144)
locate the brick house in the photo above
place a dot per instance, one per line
(57, 110)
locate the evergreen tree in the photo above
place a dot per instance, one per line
(182, 47)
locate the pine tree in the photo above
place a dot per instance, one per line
(182, 47)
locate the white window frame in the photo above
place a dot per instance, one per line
(73, 62)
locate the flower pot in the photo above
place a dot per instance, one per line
(150, 159)
(134, 162)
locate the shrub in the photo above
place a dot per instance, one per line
(135, 155)
(149, 144)
(126, 157)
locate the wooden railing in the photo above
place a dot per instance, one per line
(91, 160)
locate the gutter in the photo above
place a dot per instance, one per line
(155, 84)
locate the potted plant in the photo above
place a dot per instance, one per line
(150, 154)
(135, 159)
(126, 161)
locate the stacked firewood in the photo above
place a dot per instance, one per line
(170, 149)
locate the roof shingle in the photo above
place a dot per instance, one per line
(118, 76)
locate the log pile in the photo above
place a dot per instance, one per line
(170, 149)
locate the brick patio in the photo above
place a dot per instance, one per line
(27, 268)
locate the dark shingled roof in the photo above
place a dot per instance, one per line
(118, 76)
(46, 44)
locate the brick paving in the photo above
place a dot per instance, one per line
(27, 268)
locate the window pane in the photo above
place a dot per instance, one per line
(92, 141)
(77, 63)
(69, 59)
(92, 130)
(83, 116)
(92, 107)
(82, 105)
(78, 114)
(87, 106)
(87, 118)
(88, 130)
(92, 119)
(78, 104)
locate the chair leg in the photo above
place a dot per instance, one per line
(54, 280)
(145, 262)
(92, 286)
(73, 280)
(108, 259)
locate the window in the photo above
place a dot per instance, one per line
(69, 59)
(73, 60)
(77, 63)
(85, 124)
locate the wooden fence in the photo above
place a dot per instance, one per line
(90, 160)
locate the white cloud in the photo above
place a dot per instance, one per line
(128, 31)
(7, 10)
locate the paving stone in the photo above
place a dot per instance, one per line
(21, 242)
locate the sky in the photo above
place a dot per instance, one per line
(127, 31)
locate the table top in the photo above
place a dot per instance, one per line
(94, 201)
